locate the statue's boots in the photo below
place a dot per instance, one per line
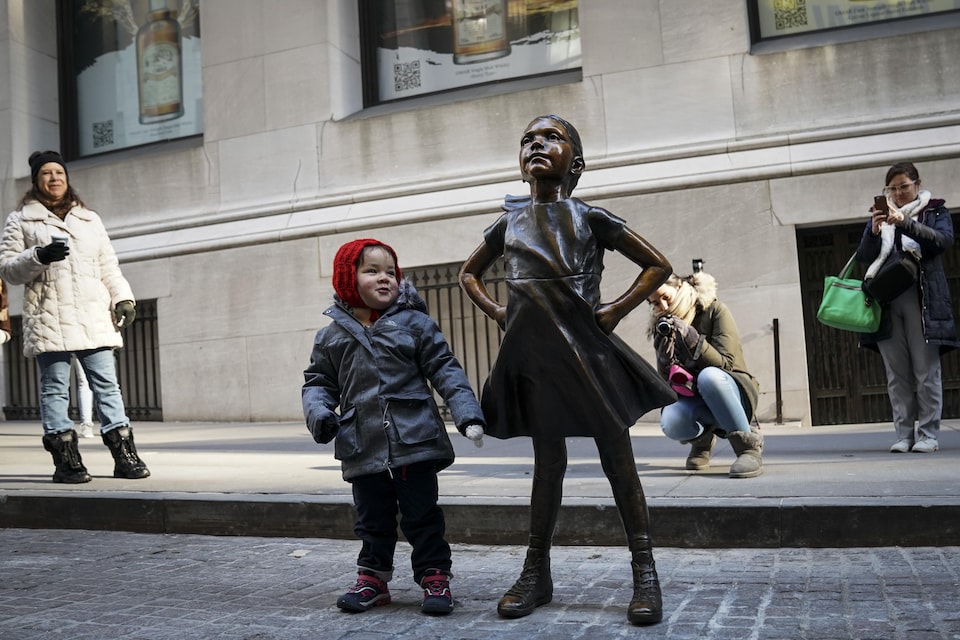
(533, 588)
(646, 606)
(66, 457)
(127, 464)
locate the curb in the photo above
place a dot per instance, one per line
(679, 523)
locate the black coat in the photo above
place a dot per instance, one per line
(933, 231)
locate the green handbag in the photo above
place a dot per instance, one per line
(846, 306)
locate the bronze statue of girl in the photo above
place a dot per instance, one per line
(561, 371)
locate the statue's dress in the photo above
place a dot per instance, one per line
(558, 374)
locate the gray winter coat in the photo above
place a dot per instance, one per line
(378, 377)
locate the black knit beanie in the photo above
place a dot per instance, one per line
(40, 158)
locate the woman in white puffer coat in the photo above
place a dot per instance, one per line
(75, 301)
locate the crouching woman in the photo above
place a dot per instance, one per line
(699, 351)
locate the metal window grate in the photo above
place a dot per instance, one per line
(474, 338)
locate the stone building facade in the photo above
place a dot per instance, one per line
(708, 145)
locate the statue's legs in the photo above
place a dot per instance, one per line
(616, 457)
(534, 587)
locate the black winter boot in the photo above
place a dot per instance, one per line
(66, 457)
(646, 606)
(127, 464)
(533, 588)
(700, 448)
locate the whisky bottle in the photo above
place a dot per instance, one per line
(159, 65)
(479, 30)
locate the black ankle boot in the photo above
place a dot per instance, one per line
(127, 464)
(646, 607)
(533, 588)
(66, 457)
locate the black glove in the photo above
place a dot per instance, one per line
(124, 313)
(53, 252)
(689, 343)
(687, 333)
(665, 346)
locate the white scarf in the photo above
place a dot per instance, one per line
(888, 232)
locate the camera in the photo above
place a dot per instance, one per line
(664, 327)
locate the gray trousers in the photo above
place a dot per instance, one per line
(913, 371)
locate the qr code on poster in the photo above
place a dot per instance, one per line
(102, 134)
(788, 14)
(406, 75)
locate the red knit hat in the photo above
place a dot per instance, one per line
(345, 265)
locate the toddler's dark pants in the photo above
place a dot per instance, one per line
(412, 491)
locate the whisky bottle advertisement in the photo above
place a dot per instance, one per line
(479, 30)
(137, 72)
(430, 46)
(159, 65)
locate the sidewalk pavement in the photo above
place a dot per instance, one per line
(81, 585)
(826, 486)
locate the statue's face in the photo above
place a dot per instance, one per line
(546, 152)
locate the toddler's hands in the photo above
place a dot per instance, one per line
(325, 429)
(475, 433)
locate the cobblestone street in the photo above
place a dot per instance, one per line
(87, 585)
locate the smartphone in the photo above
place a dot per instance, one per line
(58, 239)
(880, 203)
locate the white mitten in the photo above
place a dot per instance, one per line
(475, 433)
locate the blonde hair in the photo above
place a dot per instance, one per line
(696, 290)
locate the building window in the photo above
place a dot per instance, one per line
(129, 73)
(420, 47)
(777, 18)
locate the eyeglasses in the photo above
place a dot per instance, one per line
(900, 188)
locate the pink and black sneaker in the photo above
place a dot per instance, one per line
(437, 598)
(369, 591)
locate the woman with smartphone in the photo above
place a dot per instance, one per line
(917, 325)
(75, 302)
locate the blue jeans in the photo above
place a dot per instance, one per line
(101, 369)
(718, 405)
